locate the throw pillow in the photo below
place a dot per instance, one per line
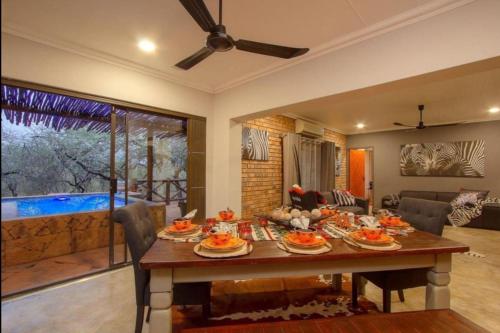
(465, 198)
(297, 189)
(344, 198)
(482, 194)
(321, 199)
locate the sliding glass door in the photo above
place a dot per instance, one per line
(148, 162)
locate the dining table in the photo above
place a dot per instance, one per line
(175, 262)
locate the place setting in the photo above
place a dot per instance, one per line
(303, 240)
(371, 236)
(222, 243)
(182, 229)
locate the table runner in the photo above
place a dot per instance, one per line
(271, 232)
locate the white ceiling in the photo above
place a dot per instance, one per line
(110, 30)
(453, 95)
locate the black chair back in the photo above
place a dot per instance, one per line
(425, 215)
(140, 235)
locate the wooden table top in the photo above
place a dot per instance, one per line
(169, 254)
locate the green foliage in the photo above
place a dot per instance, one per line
(39, 160)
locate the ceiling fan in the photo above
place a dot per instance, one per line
(219, 41)
(421, 122)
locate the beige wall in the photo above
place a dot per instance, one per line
(386, 145)
(466, 34)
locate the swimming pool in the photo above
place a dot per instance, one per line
(57, 204)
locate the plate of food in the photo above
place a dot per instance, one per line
(393, 222)
(304, 239)
(371, 237)
(226, 215)
(182, 227)
(222, 242)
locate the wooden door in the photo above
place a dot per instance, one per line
(196, 132)
(357, 172)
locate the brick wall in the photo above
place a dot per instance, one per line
(262, 180)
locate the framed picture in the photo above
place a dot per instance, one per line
(449, 159)
(255, 144)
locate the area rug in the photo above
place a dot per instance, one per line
(267, 300)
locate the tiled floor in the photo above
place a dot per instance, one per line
(106, 303)
(19, 278)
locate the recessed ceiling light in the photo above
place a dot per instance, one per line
(360, 125)
(146, 45)
(494, 109)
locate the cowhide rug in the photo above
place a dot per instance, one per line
(267, 300)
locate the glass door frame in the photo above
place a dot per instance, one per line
(113, 186)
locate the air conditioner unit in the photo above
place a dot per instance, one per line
(308, 129)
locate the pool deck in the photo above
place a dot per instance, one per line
(40, 273)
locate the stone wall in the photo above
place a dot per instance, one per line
(262, 182)
(26, 240)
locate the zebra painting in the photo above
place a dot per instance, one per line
(255, 145)
(453, 159)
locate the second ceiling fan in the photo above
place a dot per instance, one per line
(219, 41)
(421, 124)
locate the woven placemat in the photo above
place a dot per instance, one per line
(202, 252)
(292, 249)
(393, 247)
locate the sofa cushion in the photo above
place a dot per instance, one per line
(352, 209)
(482, 194)
(446, 196)
(427, 195)
(328, 197)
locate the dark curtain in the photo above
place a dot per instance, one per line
(327, 179)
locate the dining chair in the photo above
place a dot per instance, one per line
(140, 234)
(423, 215)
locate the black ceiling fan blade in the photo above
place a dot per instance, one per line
(269, 49)
(444, 125)
(399, 124)
(200, 13)
(195, 58)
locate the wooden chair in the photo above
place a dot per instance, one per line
(140, 235)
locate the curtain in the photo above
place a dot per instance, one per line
(310, 164)
(291, 165)
(327, 179)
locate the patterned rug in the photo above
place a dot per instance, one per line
(267, 300)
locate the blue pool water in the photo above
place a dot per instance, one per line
(61, 204)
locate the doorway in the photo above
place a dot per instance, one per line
(361, 182)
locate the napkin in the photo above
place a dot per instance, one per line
(369, 221)
(191, 214)
(300, 223)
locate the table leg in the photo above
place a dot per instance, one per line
(437, 294)
(161, 301)
(337, 282)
